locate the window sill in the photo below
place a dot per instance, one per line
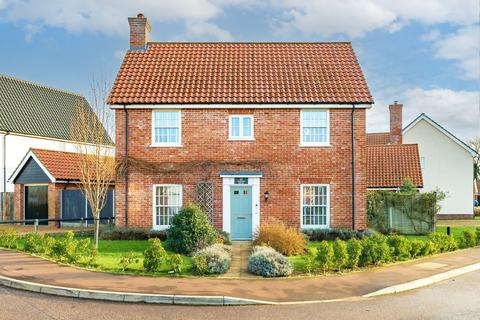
(166, 145)
(314, 227)
(160, 228)
(241, 139)
(325, 145)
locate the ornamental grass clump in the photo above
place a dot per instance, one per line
(267, 262)
(286, 240)
(215, 259)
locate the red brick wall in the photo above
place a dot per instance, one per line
(396, 123)
(275, 152)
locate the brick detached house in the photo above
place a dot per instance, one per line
(252, 132)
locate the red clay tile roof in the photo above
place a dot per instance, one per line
(61, 165)
(380, 138)
(241, 73)
(389, 165)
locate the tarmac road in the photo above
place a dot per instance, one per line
(457, 298)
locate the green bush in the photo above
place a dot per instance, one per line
(8, 238)
(86, 252)
(416, 248)
(429, 247)
(127, 259)
(354, 248)
(190, 231)
(325, 256)
(340, 254)
(332, 234)
(127, 233)
(267, 262)
(64, 249)
(70, 250)
(154, 256)
(214, 259)
(34, 243)
(310, 262)
(443, 242)
(469, 239)
(175, 262)
(375, 251)
(400, 247)
(477, 233)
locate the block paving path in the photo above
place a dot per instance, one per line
(25, 267)
(239, 267)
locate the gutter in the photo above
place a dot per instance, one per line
(353, 164)
(126, 165)
(4, 160)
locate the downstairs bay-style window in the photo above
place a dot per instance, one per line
(315, 206)
(167, 201)
(166, 128)
(314, 128)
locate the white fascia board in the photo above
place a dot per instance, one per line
(19, 168)
(244, 106)
(429, 120)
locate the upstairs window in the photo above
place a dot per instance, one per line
(314, 129)
(241, 128)
(166, 128)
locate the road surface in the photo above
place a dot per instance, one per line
(457, 298)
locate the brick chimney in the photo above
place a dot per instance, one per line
(396, 123)
(139, 32)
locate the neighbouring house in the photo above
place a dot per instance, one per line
(252, 132)
(33, 116)
(446, 162)
(476, 191)
(47, 187)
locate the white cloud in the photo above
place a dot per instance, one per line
(457, 111)
(358, 17)
(202, 28)
(108, 17)
(463, 47)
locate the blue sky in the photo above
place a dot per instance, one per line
(424, 54)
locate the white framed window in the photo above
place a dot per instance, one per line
(314, 128)
(240, 127)
(315, 206)
(166, 128)
(167, 201)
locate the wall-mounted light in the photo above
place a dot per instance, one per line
(266, 195)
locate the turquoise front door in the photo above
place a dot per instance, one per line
(241, 212)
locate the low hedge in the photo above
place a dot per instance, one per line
(333, 234)
(378, 249)
(126, 233)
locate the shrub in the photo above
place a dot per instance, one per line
(154, 255)
(443, 242)
(340, 254)
(286, 240)
(417, 248)
(325, 256)
(127, 259)
(267, 262)
(175, 261)
(476, 211)
(400, 247)
(332, 234)
(214, 259)
(310, 261)
(477, 233)
(375, 251)
(223, 238)
(190, 231)
(354, 248)
(8, 238)
(70, 250)
(429, 247)
(85, 252)
(34, 242)
(64, 249)
(469, 238)
(126, 233)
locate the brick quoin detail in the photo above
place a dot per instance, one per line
(275, 151)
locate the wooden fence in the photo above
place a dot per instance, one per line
(6, 205)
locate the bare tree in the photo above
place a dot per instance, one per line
(475, 143)
(90, 129)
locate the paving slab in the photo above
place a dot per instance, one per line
(354, 284)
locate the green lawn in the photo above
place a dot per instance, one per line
(110, 252)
